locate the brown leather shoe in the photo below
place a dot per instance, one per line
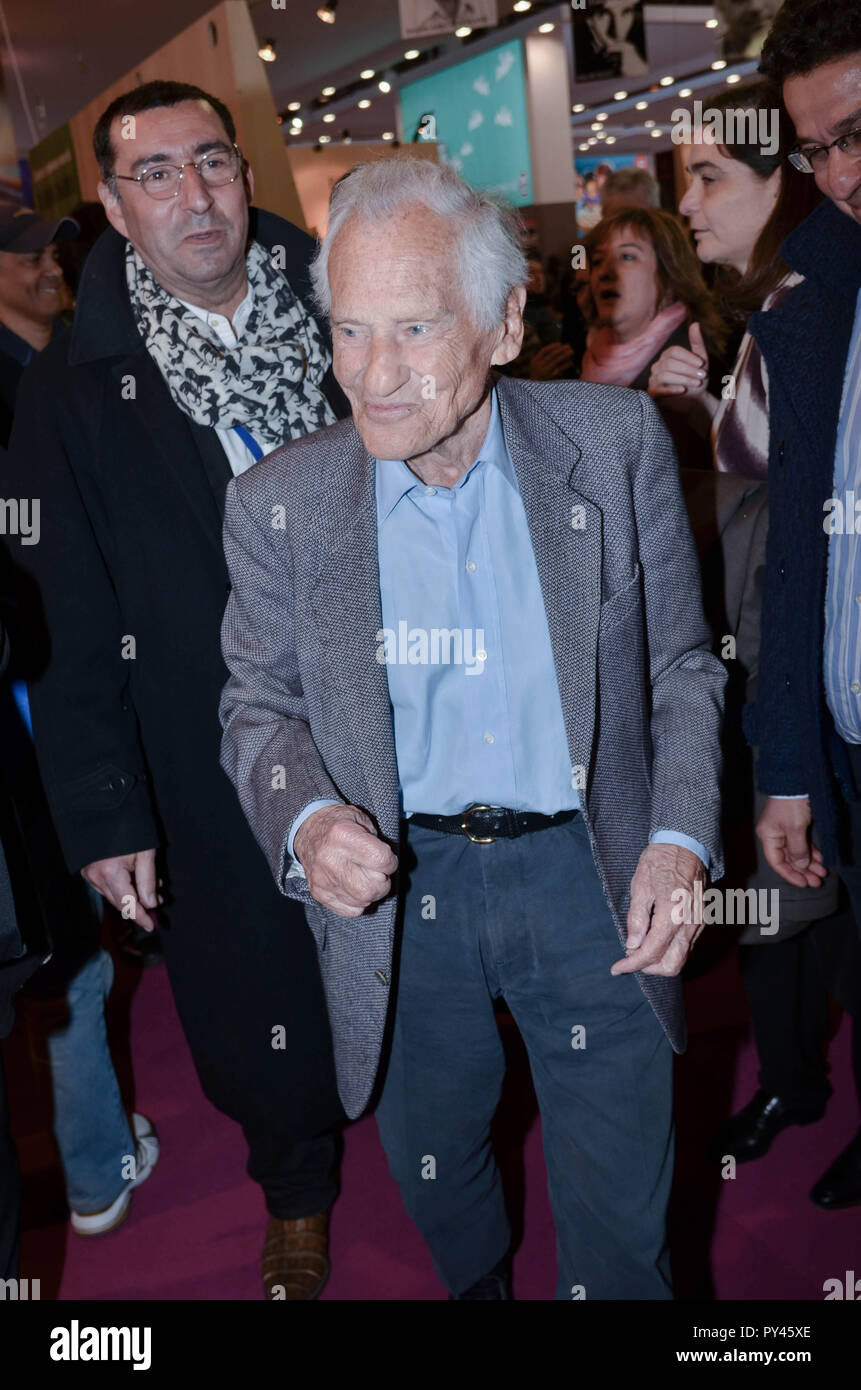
(295, 1261)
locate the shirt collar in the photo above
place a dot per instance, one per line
(16, 347)
(394, 479)
(240, 313)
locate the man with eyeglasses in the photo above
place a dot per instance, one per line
(807, 719)
(192, 354)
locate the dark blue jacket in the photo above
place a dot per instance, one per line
(805, 342)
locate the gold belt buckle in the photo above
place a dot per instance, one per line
(464, 825)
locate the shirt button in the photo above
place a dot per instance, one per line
(488, 738)
(855, 687)
(470, 569)
(430, 492)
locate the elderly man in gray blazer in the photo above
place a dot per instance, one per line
(473, 720)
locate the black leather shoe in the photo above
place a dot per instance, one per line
(495, 1285)
(840, 1186)
(751, 1132)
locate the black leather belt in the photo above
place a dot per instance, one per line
(484, 824)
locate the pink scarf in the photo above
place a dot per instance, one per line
(618, 364)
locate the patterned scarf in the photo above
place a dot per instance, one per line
(619, 364)
(269, 382)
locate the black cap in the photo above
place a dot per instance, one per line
(23, 231)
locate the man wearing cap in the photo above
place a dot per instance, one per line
(31, 283)
(191, 355)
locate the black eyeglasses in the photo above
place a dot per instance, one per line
(812, 157)
(165, 180)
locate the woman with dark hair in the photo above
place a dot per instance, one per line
(743, 200)
(646, 294)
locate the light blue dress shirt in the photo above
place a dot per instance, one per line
(466, 645)
(842, 654)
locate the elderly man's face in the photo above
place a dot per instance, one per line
(193, 242)
(407, 353)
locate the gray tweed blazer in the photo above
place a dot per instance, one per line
(306, 709)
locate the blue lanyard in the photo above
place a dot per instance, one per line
(250, 443)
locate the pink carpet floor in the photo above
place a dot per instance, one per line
(196, 1227)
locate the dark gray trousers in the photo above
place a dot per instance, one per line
(526, 919)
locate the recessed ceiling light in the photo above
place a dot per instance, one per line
(611, 139)
(711, 23)
(648, 124)
(734, 77)
(718, 64)
(266, 51)
(578, 107)
(329, 117)
(388, 135)
(686, 92)
(619, 96)
(327, 12)
(656, 134)
(367, 73)
(411, 53)
(591, 140)
(328, 92)
(296, 123)
(641, 106)
(384, 86)
(521, 6)
(463, 32)
(666, 81)
(596, 125)
(325, 140)
(294, 106)
(364, 104)
(546, 28)
(584, 146)
(295, 130)
(601, 116)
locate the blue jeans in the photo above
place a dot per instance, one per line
(526, 919)
(90, 1122)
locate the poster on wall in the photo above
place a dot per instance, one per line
(476, 113)
(54, 171)
(609, 40)
(590, 172)
(425, 18)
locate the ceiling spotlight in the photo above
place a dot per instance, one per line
(546, 28)
(578, 107)
(611, 140)
(641, 106)
(363, 104)
(463, 32)
(711, 23)
(295, 130)
(388, 135)
(584, 146)
(366, 74)
(324, 140)
(328, 92)
(266, 51)
(411, 53)
(329, 117)
(601, 116)
(666, 81)
(521, 6)
(294, 106)
(656, 134)
(296, 123)
(384, 86)
(346, 138)
(596, 125)
(734, 77)
(718, 64)
(327, 12)
(591, 141)
(686, 92)
(648, 124)
(619, 96)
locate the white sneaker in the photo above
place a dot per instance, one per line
(147, 1149)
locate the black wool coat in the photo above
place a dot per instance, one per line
(127, 588)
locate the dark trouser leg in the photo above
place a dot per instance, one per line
(298, 1179)
(837, 946)
(10, 1195)
(601, 1064)
(444, 1074)
(788, 997)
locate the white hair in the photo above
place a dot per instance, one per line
(490, 251)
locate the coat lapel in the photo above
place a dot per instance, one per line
(568, 550)
(347, 607)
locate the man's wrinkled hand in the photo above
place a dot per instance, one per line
(660, 930)
(128, 883)
(347, 866)
(784, 832)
